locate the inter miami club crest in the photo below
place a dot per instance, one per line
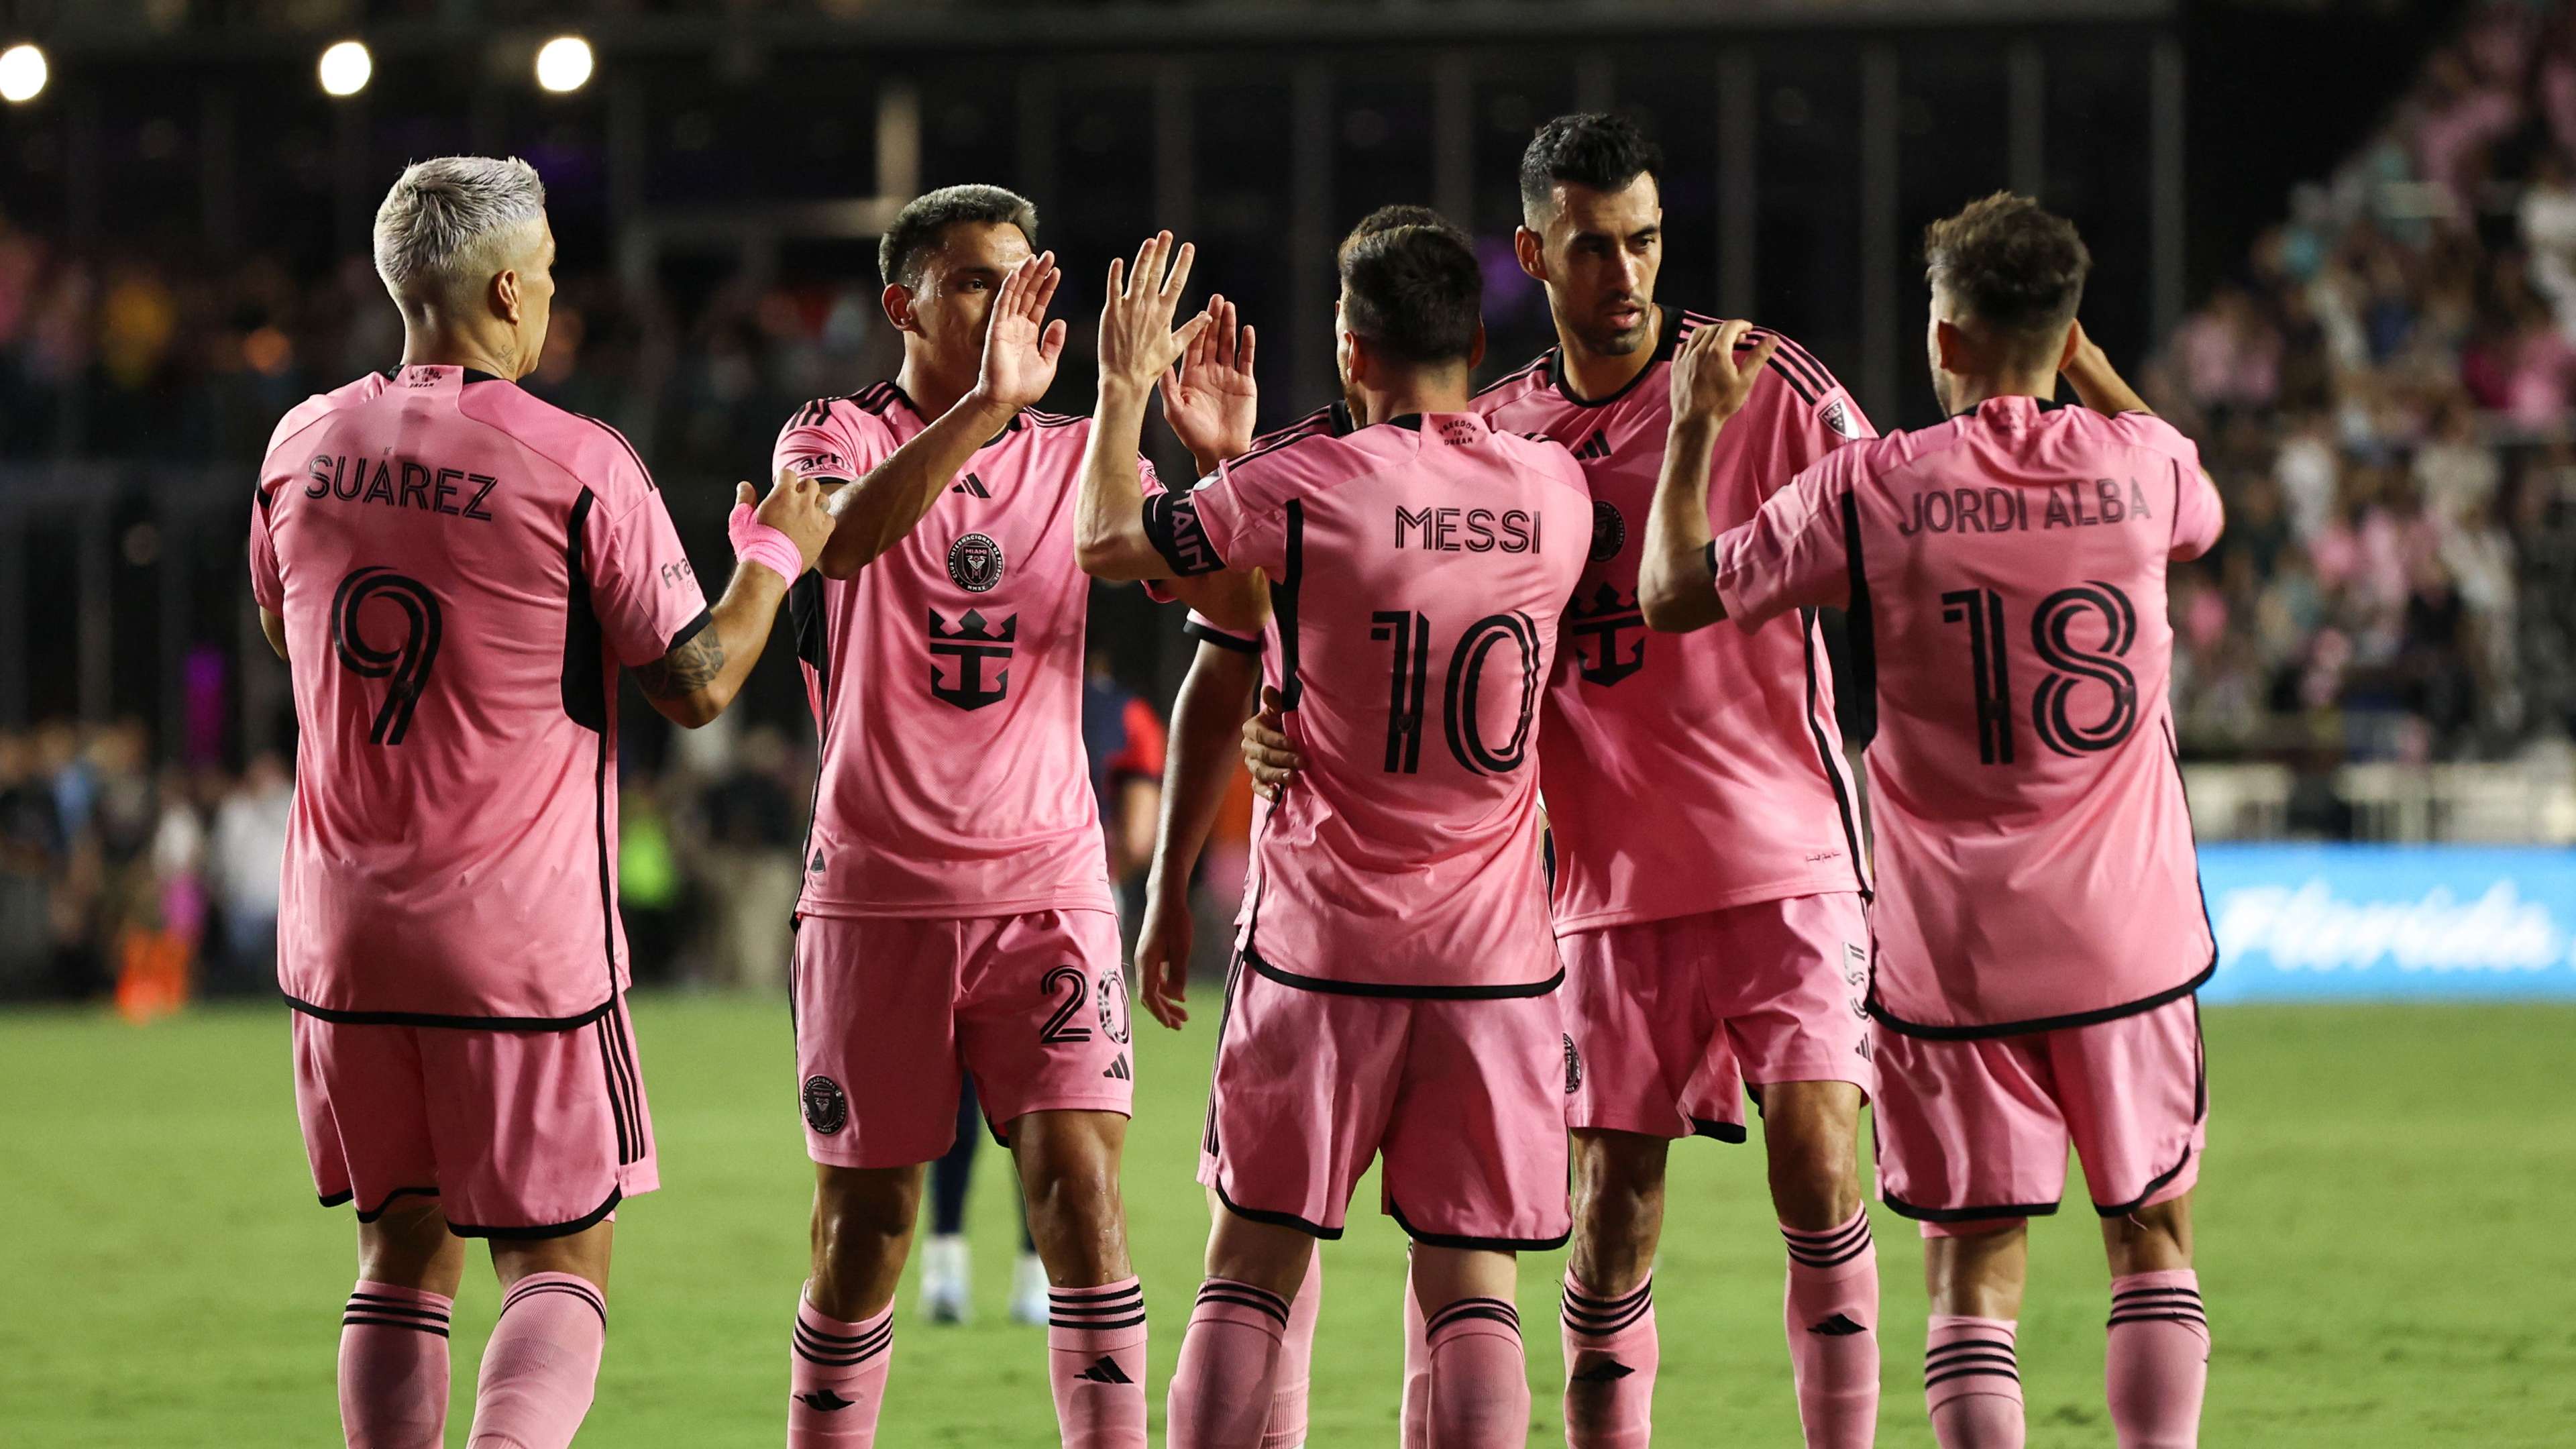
(1573, 1067)
(826, 1110)
(975, 563)
(1837, 416)
(1609, 530)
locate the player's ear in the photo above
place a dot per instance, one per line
(2066, 348)
(897, 302)
(1951, 349)
(1530, 250)
(505, 297)
(1476, 349)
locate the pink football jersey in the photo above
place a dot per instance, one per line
(946, 678)
(2007, 570)
(461, 569)
(1418, 570)
(1702, 771)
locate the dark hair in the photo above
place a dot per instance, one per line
(2017, 267)
(1411, 286)
(1591, 149)
(924, 220)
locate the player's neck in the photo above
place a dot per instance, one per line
(440, 347)
(1968, 393)
(932, 394)
(1601, 374)
(1447, 393)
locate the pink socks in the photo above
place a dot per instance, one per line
(1228, 1375)
(1414, 1426)
(542, 1364)
(1972, 1383)
(1096, 1364)
(2157, 1363)
(836, 1379)
(1287, 1428)
(393, 1368)
(1832, 1316)
(1479, 1394)
(1610, 1357)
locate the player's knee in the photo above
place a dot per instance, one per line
(1810, 1133)
(861, 1215)
(2151, 1239)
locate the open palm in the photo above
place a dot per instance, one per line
(1021, 347)
(1208, 396)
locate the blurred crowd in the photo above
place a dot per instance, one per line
(2383, 393)
(150, 356)
(157, 885)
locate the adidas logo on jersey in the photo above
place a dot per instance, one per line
(1118, 1070)
(1105, 1371)
(1597, 447)
(973, 487)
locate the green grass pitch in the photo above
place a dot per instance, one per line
(2385, 1242)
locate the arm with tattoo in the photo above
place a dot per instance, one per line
(704, 669)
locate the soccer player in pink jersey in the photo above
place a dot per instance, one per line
(454, 572)
(1396, 991)
(1709, 890)
(2040, 924)
(956, 916)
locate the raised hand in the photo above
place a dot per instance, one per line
(1020, 345)
(1208, 396)
(795, 507)
(1163, 960)
(1137, 343)
(1710, 381)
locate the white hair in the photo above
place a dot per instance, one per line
(457, 220)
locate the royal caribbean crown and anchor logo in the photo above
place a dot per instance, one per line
(1600, 621)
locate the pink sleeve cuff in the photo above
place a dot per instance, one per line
(757, 542)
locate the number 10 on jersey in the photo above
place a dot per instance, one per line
(1408, 681)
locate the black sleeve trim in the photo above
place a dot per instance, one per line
(1394, 990)
(1980, 1212)
(1474, 1244)
(1879, 1012)
(1277, 1220)
(587, 1220)
(691, 629)
(472, 1023)
(1207, 634)
(1172, 524)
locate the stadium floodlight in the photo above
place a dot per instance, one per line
(346, 68)
(564, 64)
(22, 73)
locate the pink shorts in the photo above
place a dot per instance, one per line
(891, 1012)
(1463, 1098)
(1972, 1134)
(518, 1134)
(1675, 1018)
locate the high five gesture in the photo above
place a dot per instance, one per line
(1208, 396)
(1020, 346)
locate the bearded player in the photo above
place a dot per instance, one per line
(454, 572)
(2041, 928)
(1709, 890)
(1396, 997)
